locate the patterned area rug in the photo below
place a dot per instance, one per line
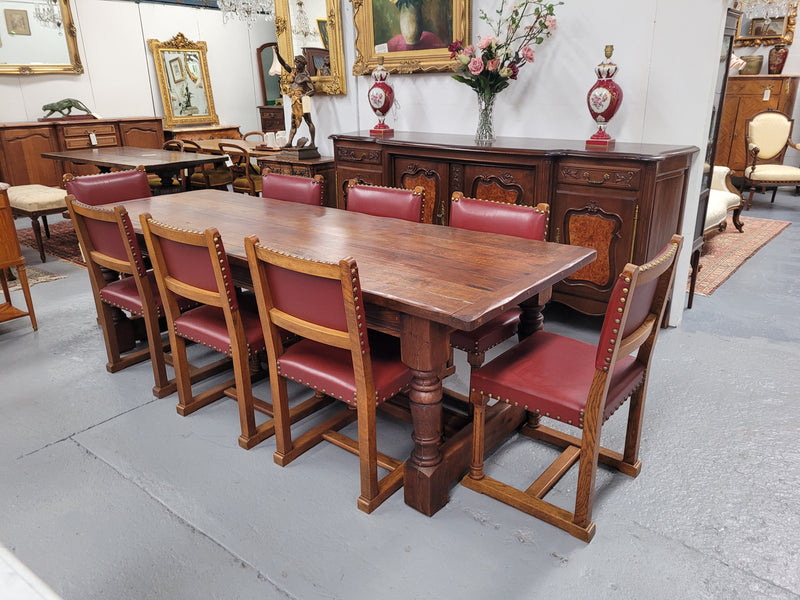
(63, 242)
(35, 275)
(723, 253)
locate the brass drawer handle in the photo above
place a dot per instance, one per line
(595, 182)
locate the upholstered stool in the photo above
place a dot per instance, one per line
(36, 201)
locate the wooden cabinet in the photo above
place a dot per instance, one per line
(308, 167)
(746, 95)
(22, 145)
(625, 203)
(211, 132)
(272, 118)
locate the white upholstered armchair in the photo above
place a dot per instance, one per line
(767, 137)
(722, 198)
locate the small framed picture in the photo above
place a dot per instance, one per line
(17, 21)
(176, 69)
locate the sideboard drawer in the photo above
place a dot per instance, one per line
(85, 130)
(599, 176)
(352, 153)
(76, 143)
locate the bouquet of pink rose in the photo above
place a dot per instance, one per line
(498, 57)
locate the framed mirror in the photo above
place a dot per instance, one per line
(766, 31)
(183, 79)
(312, 28)
(38, 37)
(270, 84)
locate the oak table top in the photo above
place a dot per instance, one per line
(419, 282)
(130, 157)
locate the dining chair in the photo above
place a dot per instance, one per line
(108, 244)
(108, 188)
(257, 136)
(11, 256)
(767, 136)
(580, 385)
(381, 201)
(217, 176)
(499, 218)
(246, 176)
(193, 265)
(292, 188)
(321, 302)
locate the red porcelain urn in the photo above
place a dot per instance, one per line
(603, 100)
(381, 98)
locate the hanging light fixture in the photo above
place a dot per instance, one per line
(765, 9)
(248, 11)
(301, 25)
(48, 14)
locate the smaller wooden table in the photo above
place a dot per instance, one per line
(164, 163)
(252, 146)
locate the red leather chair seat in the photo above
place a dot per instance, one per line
(551, 375)
(123, 294)
(489, 334)
(330, 370)
(206, 325)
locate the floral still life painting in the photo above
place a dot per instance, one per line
(489, 66)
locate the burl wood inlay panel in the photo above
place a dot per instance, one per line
(593, 231)
(498, 190)
(429, 180)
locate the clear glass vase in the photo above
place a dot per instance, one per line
(485, 133)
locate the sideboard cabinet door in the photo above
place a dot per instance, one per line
(21, 161)
(145, 133)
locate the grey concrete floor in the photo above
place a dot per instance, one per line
(107, 493)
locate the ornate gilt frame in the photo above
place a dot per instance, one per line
(757, 40)
(331, 85)
(71, 37)
(409, 61)
(181, 47)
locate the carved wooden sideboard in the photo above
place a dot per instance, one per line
(22, 144)
(625, 203)
(746, 95)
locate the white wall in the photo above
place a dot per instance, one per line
(667, 66)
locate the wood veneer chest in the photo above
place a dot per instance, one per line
(746, 95)
(272, 118)
(625, 203)
(22, 145)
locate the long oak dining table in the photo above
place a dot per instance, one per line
(420, 282)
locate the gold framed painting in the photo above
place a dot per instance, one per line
(183, 79)
(410, 35)
(17, 21)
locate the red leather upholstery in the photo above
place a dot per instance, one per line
(291, 188)
(489, 334)
(190, 264)
(307, 297)
(386, 202)
(550, 375)
(498, 217)
(330, 370)
(494, 217)
(124, 294)
(106, 238)
(206, 325)
(109, 188)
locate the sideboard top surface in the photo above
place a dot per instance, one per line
(536, 146)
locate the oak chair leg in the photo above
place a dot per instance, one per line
(26, 292)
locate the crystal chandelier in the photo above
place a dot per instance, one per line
(247, 10)
(765, 9)
(48, 14)
(301, 26)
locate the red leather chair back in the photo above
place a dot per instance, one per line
(308, 297)
(108, 188)
(387, 202)
(638, 299)
(499, 217)
(292, 188)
